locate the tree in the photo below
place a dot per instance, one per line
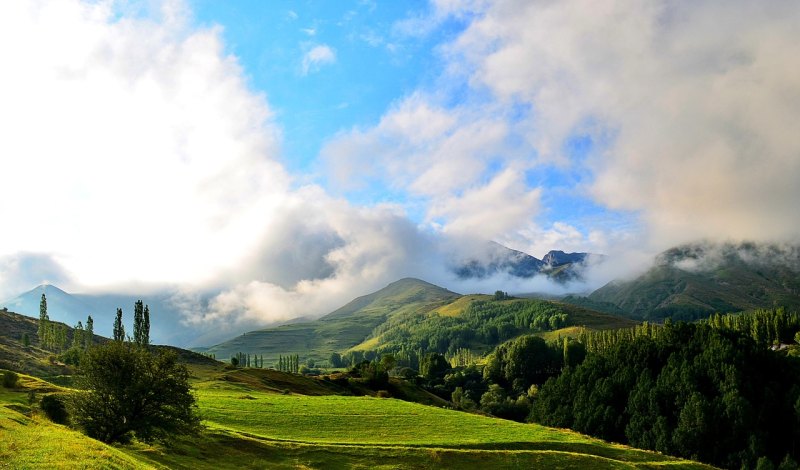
(89, 333)
(146, 326)
(44, 321)
(26, 340)
(138, 322)
(131, 392)
(335, 359)
(119, 328)
(433, 366)
(77, 336)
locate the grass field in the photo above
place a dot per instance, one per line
(247, 427)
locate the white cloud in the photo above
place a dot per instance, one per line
(316, 57)
(692, 104)
(134, 146)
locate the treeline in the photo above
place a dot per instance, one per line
(484, 323)
(710, 391)
(765, 327)
(55, 337)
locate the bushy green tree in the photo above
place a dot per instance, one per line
(131, 392)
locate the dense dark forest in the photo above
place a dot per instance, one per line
(725, 390)
(713, 391)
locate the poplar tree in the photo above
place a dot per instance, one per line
(146, 326)
(89, 333)
(138, 323)
(77, 336)
(44, 320)
(119, 328)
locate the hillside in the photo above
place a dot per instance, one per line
(248, 427)
(36, 361)
(478, 323)
(340, 329)
(412, 316)
(695, 280)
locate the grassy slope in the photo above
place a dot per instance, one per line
(249, 427)
(341, 329)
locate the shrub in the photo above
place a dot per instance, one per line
(10, 379)
(54, 406)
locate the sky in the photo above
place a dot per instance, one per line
(289, 156)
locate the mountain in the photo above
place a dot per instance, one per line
(70, 308)
(495, 258)
(342, 328)
(557, 258)
(694, 280)
(413, 315)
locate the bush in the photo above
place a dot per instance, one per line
(54, 406)
(10, 379)
(133, 393)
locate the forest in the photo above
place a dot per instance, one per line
(725, 390)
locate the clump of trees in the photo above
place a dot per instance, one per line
(247, 360)
(289, 363)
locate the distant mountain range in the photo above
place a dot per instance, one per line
(498, 259)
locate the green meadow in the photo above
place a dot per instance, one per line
(248, 427)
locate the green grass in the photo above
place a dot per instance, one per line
(402, 428)
(250, 428)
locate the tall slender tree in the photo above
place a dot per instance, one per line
(89, 333)
(119, 328)
(138, 322)
(146, 326)
(77, 336)
(44, 321)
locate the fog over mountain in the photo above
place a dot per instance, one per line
(144, 151)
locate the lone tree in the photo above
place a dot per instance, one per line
(131, 392)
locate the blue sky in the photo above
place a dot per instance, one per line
(382, 52)
(288, 156)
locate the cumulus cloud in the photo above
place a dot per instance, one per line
(132, 145)
(690, 105)
(316, 57)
